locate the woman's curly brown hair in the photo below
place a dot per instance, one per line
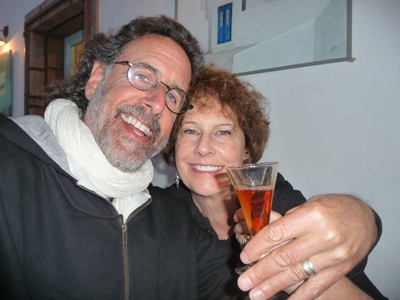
(244, 103)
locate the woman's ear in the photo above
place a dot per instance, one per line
(95, 79)
(246, 156)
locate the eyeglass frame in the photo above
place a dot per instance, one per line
(183, 110)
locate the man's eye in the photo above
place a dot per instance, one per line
(141, 77)
(171, 97)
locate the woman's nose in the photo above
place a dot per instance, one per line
(204, 146)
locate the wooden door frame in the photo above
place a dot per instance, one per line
(48, 18)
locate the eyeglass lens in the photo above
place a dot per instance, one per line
(143, 77)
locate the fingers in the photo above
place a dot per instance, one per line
(238, 216)
(314, 222)
(333, 231)
(274, 216)
(242, 233)
(295, 276)
(270, 236)
(241, 229)
(282, 259)
(283, 268)
(315, 286)
(302, 286)
(241, 226)
(243, 239)
(293, 209)
(308, 289)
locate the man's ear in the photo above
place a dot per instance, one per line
(95, 79)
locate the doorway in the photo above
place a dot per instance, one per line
(45, 30)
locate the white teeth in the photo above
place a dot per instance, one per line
(207, 168)
(136, 123)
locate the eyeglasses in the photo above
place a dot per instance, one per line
(143, 77)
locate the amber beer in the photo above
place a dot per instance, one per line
(256, 203)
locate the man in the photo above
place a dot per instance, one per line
(61, 232)
(76, 218)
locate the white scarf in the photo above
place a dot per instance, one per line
(88, 164)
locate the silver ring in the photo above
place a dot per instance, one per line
(308, 267)
(245, 240)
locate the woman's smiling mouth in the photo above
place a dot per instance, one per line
(206, 168)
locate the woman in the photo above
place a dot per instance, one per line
(226, 127)
(214, 118)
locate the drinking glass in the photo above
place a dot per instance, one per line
(254, 185)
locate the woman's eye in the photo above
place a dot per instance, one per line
(224, 132)
(190, 131)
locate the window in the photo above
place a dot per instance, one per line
(224, 23)
(73, 47)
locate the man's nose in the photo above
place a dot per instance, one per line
(154, 100)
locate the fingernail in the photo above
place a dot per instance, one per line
(244, 258)
(244, 283)
(256, 295)
(234, 228)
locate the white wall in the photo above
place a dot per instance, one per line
(115, 13)
(335, 127)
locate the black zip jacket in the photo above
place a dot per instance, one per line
(60, 241)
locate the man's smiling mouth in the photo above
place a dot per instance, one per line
(136, 123)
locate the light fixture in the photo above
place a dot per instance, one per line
(5, 34)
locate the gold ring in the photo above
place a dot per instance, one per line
(246, 238)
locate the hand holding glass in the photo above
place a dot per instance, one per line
(254, 185)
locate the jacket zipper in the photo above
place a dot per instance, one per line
(125, 256)
(124, 227)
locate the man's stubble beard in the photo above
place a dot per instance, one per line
(119, 149)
